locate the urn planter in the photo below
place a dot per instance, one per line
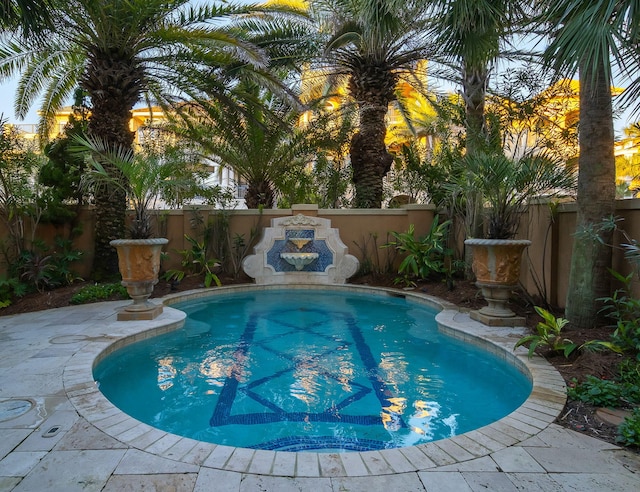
(496, 265)
(139, 263)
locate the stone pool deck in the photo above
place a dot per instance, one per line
(71, 438)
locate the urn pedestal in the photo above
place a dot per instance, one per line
(496, 265)
(139, 263)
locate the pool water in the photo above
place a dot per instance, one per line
(317, 370)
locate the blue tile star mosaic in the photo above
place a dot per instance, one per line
(266, 403)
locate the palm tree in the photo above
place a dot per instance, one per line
(262, 144)
(28, 16)
(586, 37)
(368, 46)
(471, 35)
(119, 52)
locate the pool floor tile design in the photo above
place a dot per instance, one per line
(253, 339)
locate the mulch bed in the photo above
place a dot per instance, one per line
(576, 415)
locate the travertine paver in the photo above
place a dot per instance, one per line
(444, 482)
(484, 464)
(516, 460)
(137, 483)
(20, 463)
(135, 462)
(406, 482)
(534, 482)
(223, 481)
(72, 470)
(253, 483)
(493, 481)
(99, 448)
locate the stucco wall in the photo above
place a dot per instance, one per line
(545, 267)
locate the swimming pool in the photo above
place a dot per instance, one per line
(313, 370)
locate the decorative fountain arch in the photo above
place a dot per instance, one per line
(300, 250)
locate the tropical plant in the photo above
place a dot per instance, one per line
(624, 309)
(505, 186)
(195, 261)
(602, 392)
(369, 45)
(424, 256)
(30, 17)
(42, 267)
(629, 430)
(548, 333)
(471, 35)
(143, 178)
(99, 292)
(596, 39)
(120, 52)
(262, 142)
(19, 212)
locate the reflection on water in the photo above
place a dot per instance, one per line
(299, 371)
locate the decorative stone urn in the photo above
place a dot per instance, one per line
(139, 263)
(496, 264)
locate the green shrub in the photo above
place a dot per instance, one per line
(598, 392)
(99, 292)
(624, 310)
(629, 430)
(195, 262)
(425, 255)
(621, 392)
(548, 333)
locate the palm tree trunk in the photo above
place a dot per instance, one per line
(589, 278)
(114, 87)
(474, 89)
(370, 160)
(259, 194)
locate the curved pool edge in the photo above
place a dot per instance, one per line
(541, 408)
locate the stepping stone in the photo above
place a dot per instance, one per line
(613, 416)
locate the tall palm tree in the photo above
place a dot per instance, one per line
(28, 16)
(119, 52)
(471, 35)
(586, 37)
(368, 46)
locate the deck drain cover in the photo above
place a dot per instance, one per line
(10, 409)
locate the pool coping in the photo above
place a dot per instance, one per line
(541, 408)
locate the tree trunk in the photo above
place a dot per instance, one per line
(370, 160)
(474, 89)
(589, 278)
(259, 194)
(114, 88)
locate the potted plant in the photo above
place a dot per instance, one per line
(505, 187)
(144, 178)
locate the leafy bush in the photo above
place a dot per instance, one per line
(624, 310)
(629, 430)
(42, 268)
(598, 392)
(195, 262)
(425, 255)
(548, 333)
(99, 292)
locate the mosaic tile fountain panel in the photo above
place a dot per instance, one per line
(319, 246)
(300, 249)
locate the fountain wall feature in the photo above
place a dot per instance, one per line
(300, 250)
